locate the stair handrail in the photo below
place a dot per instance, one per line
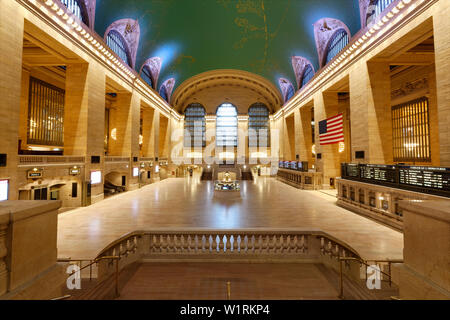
(91, 263)
(361, 261)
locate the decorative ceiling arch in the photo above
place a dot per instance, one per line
(363, 9)
(168, 86)
(287, 89)
(257, 36)
(131, 32)
(238, 87)
(324, 29)
(89, 6)
(299, 65)
(154, 65)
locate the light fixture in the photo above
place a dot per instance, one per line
(341, 147)
(313, 149)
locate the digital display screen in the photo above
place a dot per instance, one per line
(135, 171)
(286, 165)
(293, 165)
(300, 166)
(436, 178)
(280, 164)
(96, 177)
(4, 186)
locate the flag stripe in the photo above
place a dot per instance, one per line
(332, 130)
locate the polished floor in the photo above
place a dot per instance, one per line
(205, 281)
(188, 202)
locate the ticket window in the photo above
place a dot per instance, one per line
(398, 210)
(54, 194)
(344, 191)
(372, 199)
(40, 194)
(362, 196)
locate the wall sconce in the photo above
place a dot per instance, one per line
(313, 149)
(114, 134)
(341, 147)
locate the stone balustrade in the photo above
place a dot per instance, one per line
(425, 273)
(28, 268)
(301, 180)
(228, 245)
(49, 160)
(376, 201)
(117, 159)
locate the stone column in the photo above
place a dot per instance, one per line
(303, 134)
(289, 138)
(370, 112)
(326, 105)
(24, 100)
(11, 38)
(441, 24)
(148, 144)
(84, 118)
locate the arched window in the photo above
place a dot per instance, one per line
(146, 76)
(75, 7)
(194, 126)
(117, 44)
(258, 125)
(290, 93)
(375, 8)
(163, 93)
(338, 42)
(307, 75)
(226, 126)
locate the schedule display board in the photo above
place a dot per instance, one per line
(425, 177)
(433, 180)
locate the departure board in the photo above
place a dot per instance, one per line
(425, 177)
(378, 172)
(434, 180)
(352, 170)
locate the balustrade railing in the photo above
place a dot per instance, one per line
(39, 160)
(270, 245)
(117, 159)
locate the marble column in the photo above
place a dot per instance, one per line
(370, 112)
(441, 24)
(11, 38)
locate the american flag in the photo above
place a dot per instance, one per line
(331, 130)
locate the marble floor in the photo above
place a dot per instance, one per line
(188, 202)
(208, 281)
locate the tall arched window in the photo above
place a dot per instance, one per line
(258, 125)
(147, 76)
(163, 93)
(338, 42)
(75, 7)
(290, 93)
(226, 126)
(307, 75)
(375, 8)
(194, 126)
(117, 44)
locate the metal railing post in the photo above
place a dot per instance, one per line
(117, 278)
(341, 293)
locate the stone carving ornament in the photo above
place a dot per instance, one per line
(324, 29)
(130, 31)
(154, 64)
(168, 86)
(285, 85)
(299, 65)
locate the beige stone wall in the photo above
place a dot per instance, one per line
(369, 82)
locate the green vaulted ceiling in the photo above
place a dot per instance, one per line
(194, 36)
